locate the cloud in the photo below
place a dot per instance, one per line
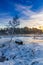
(27, 16)
(38, 17)
(35, 19)
(24, 11)
(4, 19)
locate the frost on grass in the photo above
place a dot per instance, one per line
(26, 54)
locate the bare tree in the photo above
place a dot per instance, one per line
(14, 23)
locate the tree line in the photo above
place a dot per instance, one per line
(24, 30)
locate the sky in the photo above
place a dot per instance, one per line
(30, 12)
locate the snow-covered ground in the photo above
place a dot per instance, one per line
(30, 53)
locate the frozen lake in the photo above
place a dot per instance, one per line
(26, 39)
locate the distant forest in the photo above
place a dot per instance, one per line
(24, 30)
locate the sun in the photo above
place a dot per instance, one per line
(41, 28)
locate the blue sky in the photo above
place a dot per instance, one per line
(29, 11)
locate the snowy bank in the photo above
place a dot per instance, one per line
(26, 54)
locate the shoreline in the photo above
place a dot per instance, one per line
(25, 35)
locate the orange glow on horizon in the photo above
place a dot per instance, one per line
(40, 27)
